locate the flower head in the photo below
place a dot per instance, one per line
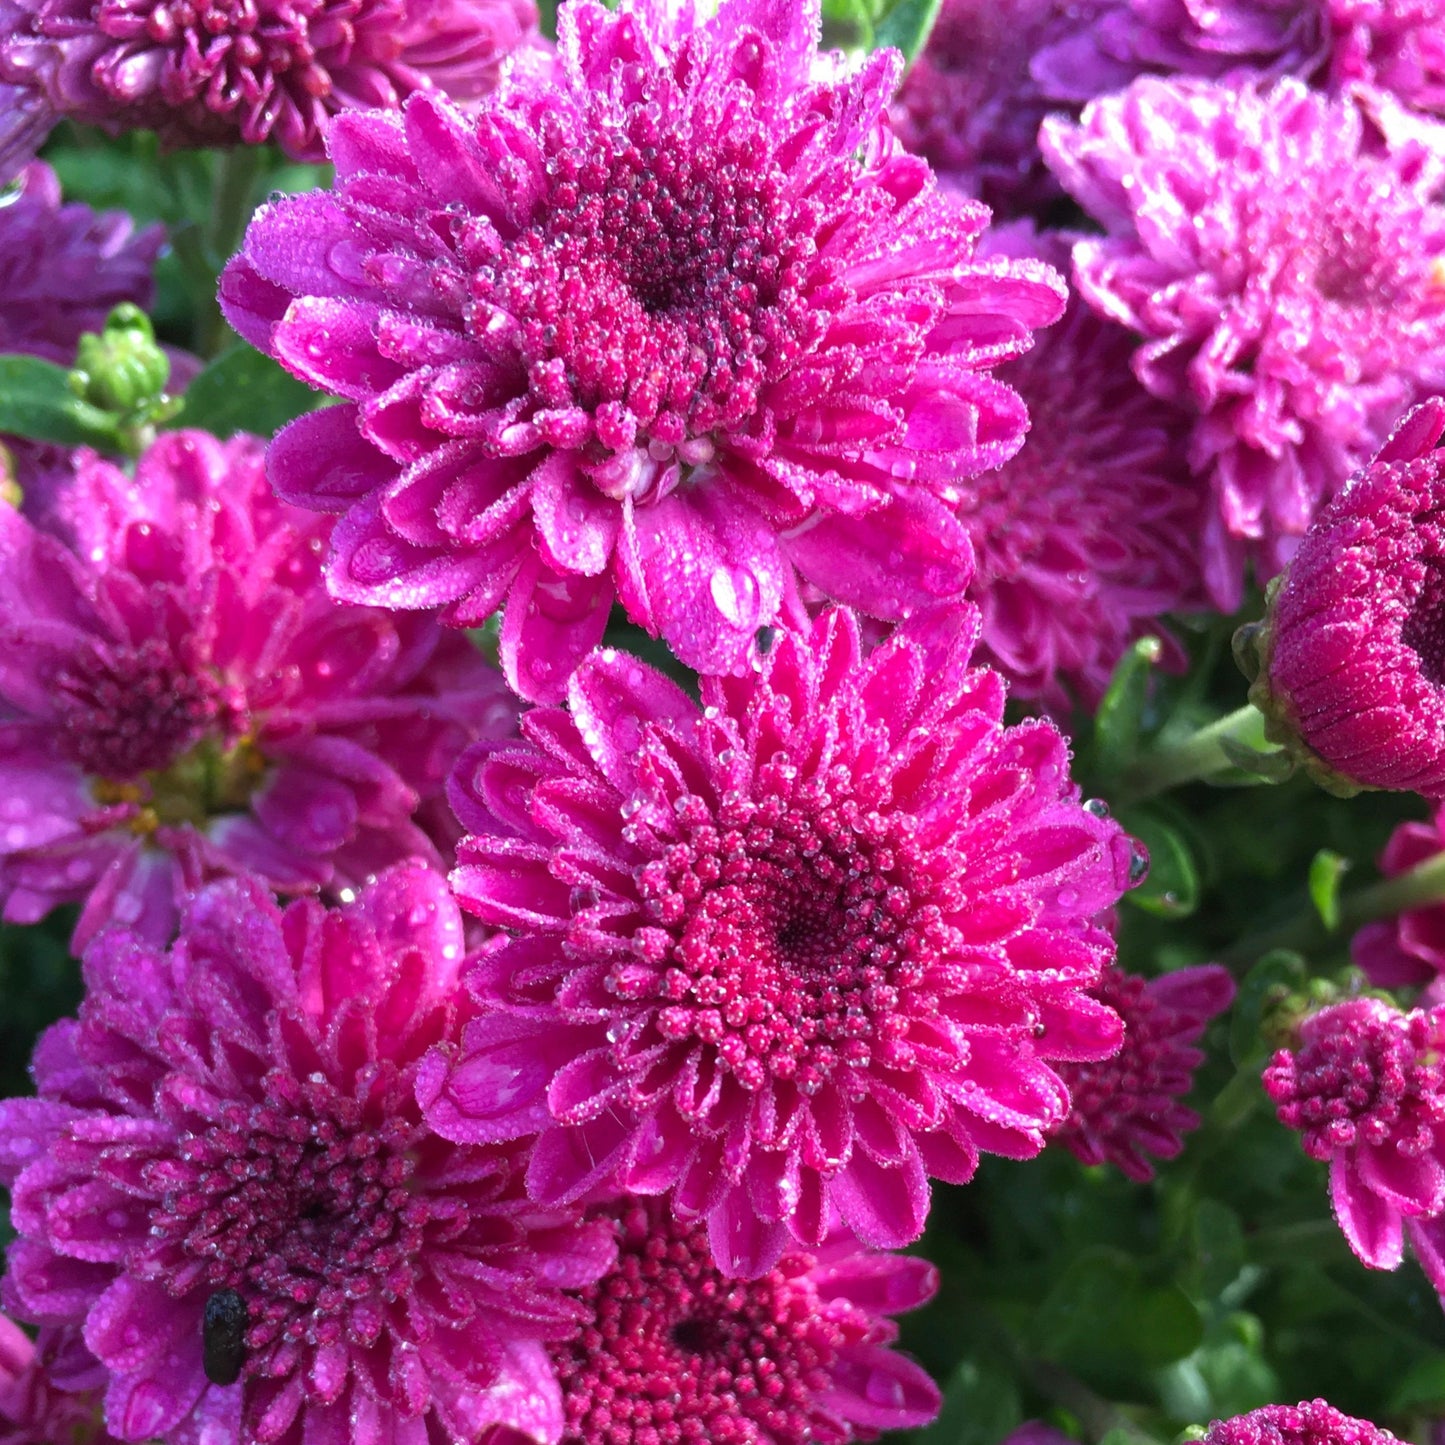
(1311, 1422)
(674, 329)
(673, 1352)
(50, 1390)
(217, 72)
(63, 267)
(791, 951)
(1125, 1109)
(1289, 283)
(1365, 1088)
(1350, 660)
(185, 700)
(1408, 949)
(227, 1182)
(970, 106)
(1087, 536)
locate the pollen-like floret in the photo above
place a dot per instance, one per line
(675, 329)
(1126, 1110)
(1287, 278)
(184, 699)
(219, 72)
(1311, 1422)
(788, 952)
(227, 1182)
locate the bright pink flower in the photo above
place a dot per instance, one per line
(1350, 659)
(674, 330)
(184, 699)
(1365, 1087)
(970, 106)
(674, 1352)
(63, 267)
(1409, 949)
(217, 72)
(1126, 1109)
(1311, 1422)
(793, 950)
(226, 1175)
(50, 1391)
(1286, 279)
(1087, 536)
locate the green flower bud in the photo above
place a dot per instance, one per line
(121, 369)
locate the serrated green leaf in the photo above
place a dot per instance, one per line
(242, 390)
(1326, 870)
(1172, 887)
(1120, 716)
(906, 26)
(36, 401)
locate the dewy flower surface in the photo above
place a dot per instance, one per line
(1287, 279)
(238, 1115)
(218, 72)
(63, 267)
(185, 699)
(789, 952)
(1089, 534)
(673, 1352)
(1125, 1110)
(675, 330)
(1365, 1089)
(1311, 1422)
(1351, 655)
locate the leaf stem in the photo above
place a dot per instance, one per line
(1199, 756)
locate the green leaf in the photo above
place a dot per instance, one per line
(1218, 1244)
(1172, 887)
(848, 24)
(242, 390)
(1326, 870)
(980, 1406)
(1267, 984)
(36, 401)
(906, 26)
(1120, 716)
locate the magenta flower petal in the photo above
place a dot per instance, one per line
(185, 701)
(1311, 1422)
(1283, 273)
(251, 73)
(751, 344)
(49, 1389)
(786, 951)
(238, 1115)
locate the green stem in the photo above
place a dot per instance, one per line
(232, 203)
(1421, 886)
(1199, 756)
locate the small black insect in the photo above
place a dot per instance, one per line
(223, 1335)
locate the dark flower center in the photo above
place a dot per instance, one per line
(677, 1353)
(663, 284)
(792, 931)
(301, 1204)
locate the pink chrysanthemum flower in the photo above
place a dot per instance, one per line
(1087, 536)
(1311, 1422)
(1365, 1088)
(220, 72)
(1126, 1110)
(970, 106)
(63, 267)
(1407, 950)
(226, 1178)
(1288, 281)
(185, 700)
(1350, 659)
(792, 950)
(673, 330)
(673, 1352)
(50, 1391)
